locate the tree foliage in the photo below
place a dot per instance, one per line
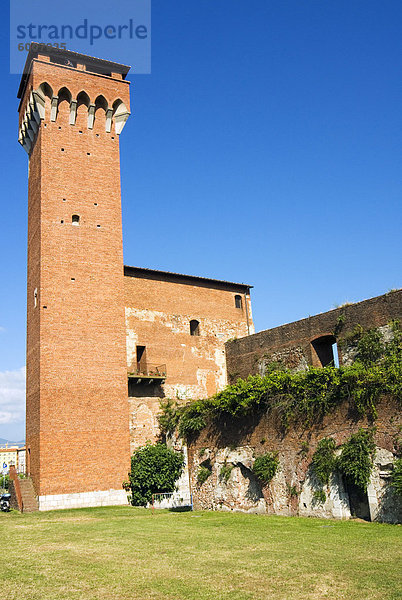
(154, 469)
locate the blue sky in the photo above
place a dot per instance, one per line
(264, 147)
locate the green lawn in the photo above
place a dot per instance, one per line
(128, 553)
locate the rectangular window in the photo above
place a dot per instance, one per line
(141, 359)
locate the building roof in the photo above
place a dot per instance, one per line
(61, 54)
(181, 278)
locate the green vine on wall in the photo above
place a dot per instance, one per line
(357, 457)
(324, 460)
(355, 461)
(304, 397)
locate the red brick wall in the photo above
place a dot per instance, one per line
(77, 413)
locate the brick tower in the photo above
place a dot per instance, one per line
(72, 110)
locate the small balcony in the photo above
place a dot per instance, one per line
(147, 373)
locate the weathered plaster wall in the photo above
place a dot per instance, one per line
(159, 308)
(291, 491)
(291, 343)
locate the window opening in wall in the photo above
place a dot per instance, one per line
(141, 359)
(35, 297)
(75, 219)
(194, 327)
(238, 301)
(326, 350)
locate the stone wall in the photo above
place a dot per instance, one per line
(296, 344)
(236, 445)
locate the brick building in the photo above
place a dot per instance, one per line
(176, 327)
(82, 304)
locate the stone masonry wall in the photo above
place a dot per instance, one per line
(235, 445)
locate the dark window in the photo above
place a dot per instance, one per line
(326, 351)
(141, 359)
(75, 219)
(238, 302)
(194, 327)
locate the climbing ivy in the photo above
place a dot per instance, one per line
(304, 397)
(356, 459)
(323, 461)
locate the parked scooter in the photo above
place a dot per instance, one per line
(5, 502)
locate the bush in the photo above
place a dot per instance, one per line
(225, 472)
(266, 466)
(356, 459)
(154, 469)
(203, 473)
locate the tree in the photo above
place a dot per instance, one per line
(154, 468)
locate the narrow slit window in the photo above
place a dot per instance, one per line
(194, 327)
(75, 219)
(238, 301)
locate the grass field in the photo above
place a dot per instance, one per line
(128, 553)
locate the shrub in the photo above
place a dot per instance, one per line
(323, 461)
(154, 468)
(225, 472)
(356, 459)
(203, 473)
(319, 497)
(266, 466)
